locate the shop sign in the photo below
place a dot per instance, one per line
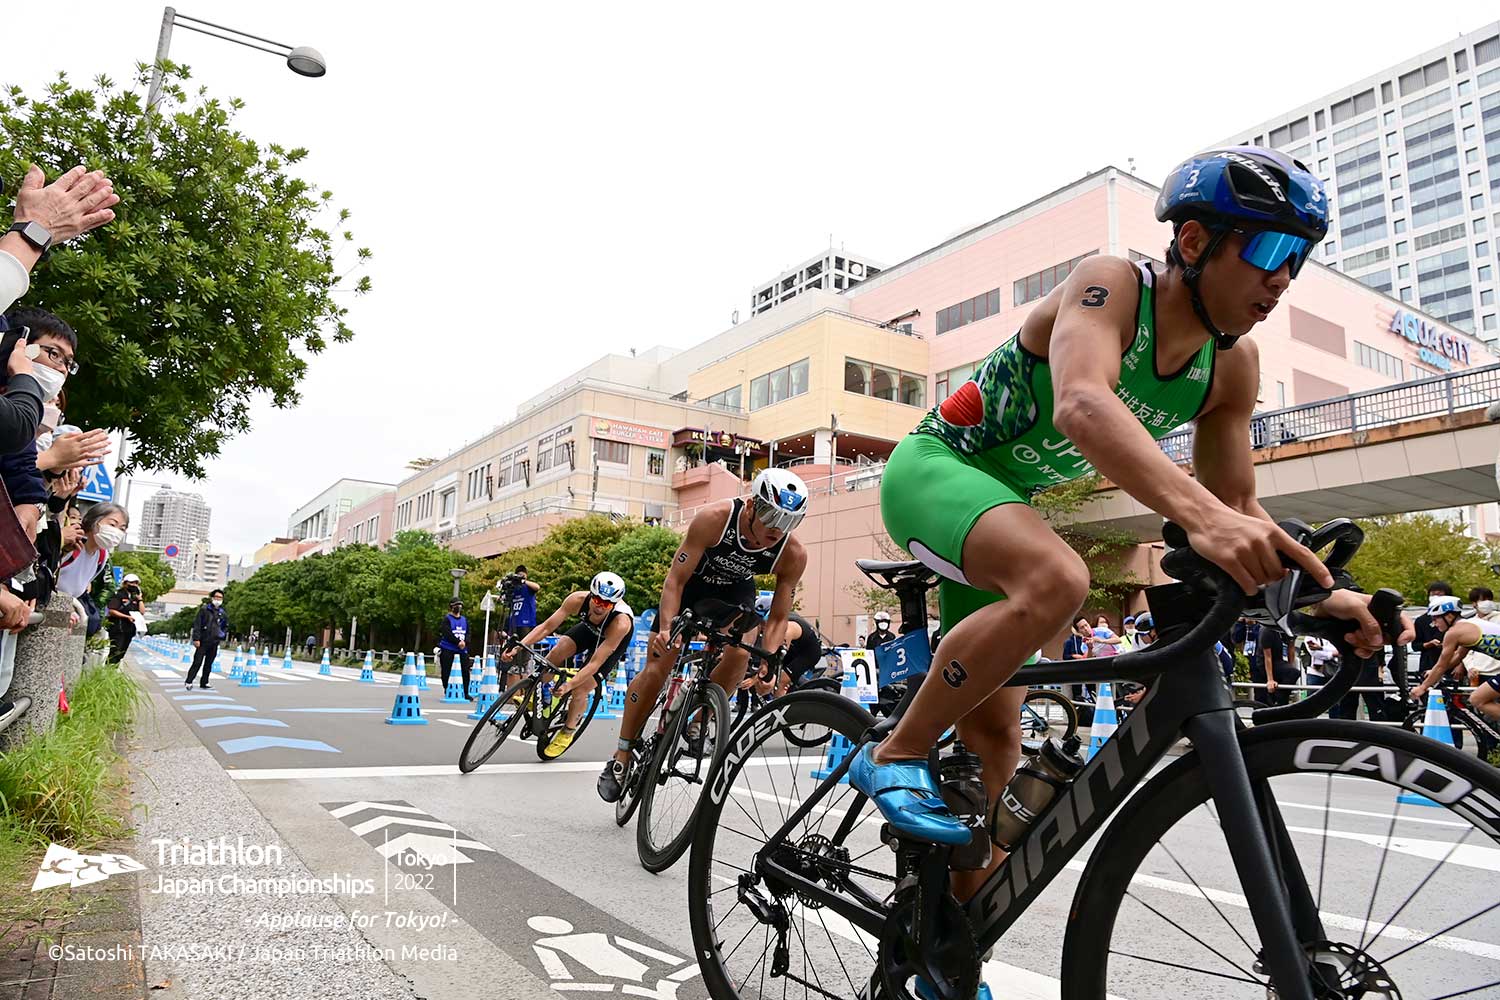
(616, 430)
(1438, 347)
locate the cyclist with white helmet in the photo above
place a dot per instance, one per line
(728, 543)
(1460, 636)
(882, 633)
(1116, 357)
(802, 650)
(605, 625)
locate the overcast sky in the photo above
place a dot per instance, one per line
(545, 183)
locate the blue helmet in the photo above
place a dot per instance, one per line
(1248, 185)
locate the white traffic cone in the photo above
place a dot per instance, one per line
(1106, 719)
(1436, 725)
(489, 689)
(326, 668)
(408, 708)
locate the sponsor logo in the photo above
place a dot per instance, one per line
(748, 738)
(65, 866)
(965, 408)
(1410, 772)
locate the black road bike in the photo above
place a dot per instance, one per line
(797, 888)
(529, 705)
(666, 779)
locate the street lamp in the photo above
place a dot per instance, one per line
(302, 60)
(458, 574)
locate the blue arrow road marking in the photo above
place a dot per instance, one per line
(216, 705)
(271, 742)
(248, 720)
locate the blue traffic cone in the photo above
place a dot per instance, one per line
(249, 677)
(286, 660)
(489, 689)
(838, 748)
(421, 672)
(1106, 719)
(367, 672)
(185, 657)
(476, 676)
(1436, 725)
(455, 690)
(265, 662)
(326, 667)
(238, 666)
(408, 708)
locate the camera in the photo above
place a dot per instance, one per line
(510, 581)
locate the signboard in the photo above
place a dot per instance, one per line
(717, 439)
(170, 551)
(861, 665)
(487, 603)
(1437, 347)
(617, 430)
(119, 575)
(97, 486)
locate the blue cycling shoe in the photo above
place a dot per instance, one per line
(907, 797)
(926, 992)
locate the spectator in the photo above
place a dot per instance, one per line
(124, 611)
(1428, 641)
(882, 633)
(1320, 657)
(1132, 640)
(1369, 677)
(453, 640)
(87, 542)
(311, 644)
(209, 629)
(1145, 631)
(1272, 668)
(1106, 642)
(46, 215)
(1079, 646)
(1237, 634)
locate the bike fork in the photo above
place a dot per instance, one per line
(1216, 741)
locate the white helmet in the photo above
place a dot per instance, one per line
(881, 616)
(1443, 605)
(607, 587)
(778, 499)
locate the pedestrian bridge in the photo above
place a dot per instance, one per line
(1415, 446)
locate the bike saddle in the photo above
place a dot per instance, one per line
(889, 573)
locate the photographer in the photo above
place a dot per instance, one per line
(521, 614)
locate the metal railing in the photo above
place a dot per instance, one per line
(1361, 411)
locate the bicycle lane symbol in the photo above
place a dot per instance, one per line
(563, 953)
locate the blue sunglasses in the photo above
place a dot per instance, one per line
(1269, 250)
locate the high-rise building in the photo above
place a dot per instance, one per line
(832, 270)
(1411, 158)
(172, 518)
(209, 567)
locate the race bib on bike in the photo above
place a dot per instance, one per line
(904, 658)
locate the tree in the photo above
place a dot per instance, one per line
(1408, 551)
(414, 585)
(180, 623)
(157, 577)
(642, 558)
(567, 559)
(217, 275)
(1103, 550)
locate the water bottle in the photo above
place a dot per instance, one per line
(961, 781)
(546, 697)
(1038, 781)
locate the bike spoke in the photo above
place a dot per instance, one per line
(1422, 885)
(736, 948)
(1227, 960)
(836, 953)
(1379, 870)
(1437, 934)
(1323, 848)
(1471, 989)
(1189, 968)
(764, 950)
(1206, 897)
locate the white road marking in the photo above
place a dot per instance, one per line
(362, 805)
(380, 822)
(409, 770)
(1469, 855)
(436, 851)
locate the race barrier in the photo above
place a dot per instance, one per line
(407, 710)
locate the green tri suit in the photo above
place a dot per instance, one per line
(993, 442)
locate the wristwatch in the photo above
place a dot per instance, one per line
(34, 233)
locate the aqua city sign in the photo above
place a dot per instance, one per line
(1437, 347)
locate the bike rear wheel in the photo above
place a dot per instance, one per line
(1051, 713)
(695, 738)
(559, 716)
(1409, 895)
(496, 725)
(751, 795)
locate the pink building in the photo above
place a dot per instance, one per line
(370, 523)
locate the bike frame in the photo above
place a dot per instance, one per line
(1194, 703)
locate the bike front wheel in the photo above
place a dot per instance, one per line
(554, 722)
(695, 738)
(1407, 891)
(496, 725)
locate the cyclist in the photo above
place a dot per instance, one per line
(1459, 637)
(1115, 357)
(727, 544)
(605, 624)
(802, 651)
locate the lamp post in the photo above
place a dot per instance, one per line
(302, 59)
(458, 574)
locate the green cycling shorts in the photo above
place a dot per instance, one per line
(930, 497)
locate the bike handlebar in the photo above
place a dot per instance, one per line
(686, 624)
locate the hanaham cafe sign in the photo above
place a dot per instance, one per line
(618, 430)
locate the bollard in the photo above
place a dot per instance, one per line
(1436, 725)
(408, 708)
(1106, 719)
(38, 671)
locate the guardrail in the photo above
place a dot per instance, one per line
(1361, 411)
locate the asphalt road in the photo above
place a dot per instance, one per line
(522, 860)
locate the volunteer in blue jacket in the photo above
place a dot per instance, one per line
(454, 640)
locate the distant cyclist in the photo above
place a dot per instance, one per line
(1460, 636)
(605, 625)
(803, 651)
(727, 545)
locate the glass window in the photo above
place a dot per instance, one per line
(1320, 121)
(1466, 111)
(1330, 248)
(1406, 294)
(1393, 161)
(1482, 248)
(883, 383)
(446, 504)
(780, 385)
(1323, 165)
(1469, 132)
(966, 312)
(1398, 204)
(1400, 226)
(1401, 248)
(1461, 60)
(1476, 202)
(1395, 182)
(1388, 119)
(1471, 156)
(1487, 297)
(760, 392)
(614, 452)
(1465, 87)
(913, 389)
(1403, 271)
(993, 295)
(856, 377)
(1489, 321)
(656, 462)
(1484, 274)
(1475, 179)
(1322, 141)
(1386, 95)
(799, 377)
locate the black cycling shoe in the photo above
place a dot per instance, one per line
(612, 780)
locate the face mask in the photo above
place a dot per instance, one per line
(50, 380)
(218, 603)
(109, 536)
